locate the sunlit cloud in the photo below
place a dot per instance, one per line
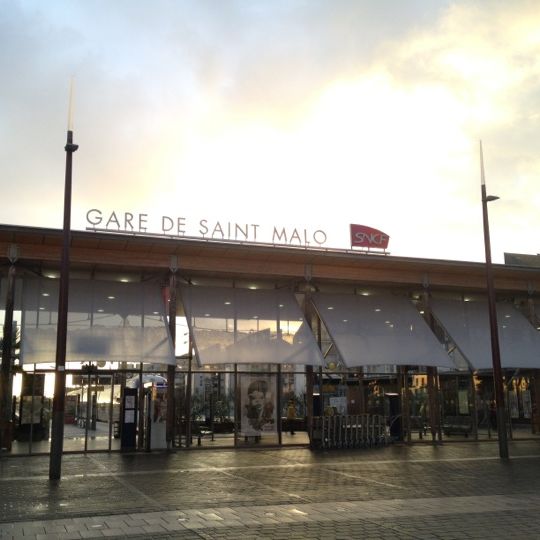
(310, 113)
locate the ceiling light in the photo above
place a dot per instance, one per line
(377, 309)
(330, 307)
(111, 297)
(227, 303)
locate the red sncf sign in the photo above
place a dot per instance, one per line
(362, 236)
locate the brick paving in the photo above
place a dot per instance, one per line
(457, 490)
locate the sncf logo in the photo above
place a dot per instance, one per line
(362, 236)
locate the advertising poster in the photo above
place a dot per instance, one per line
(513, 404)
(527, 403)
(258, 403)
(463, 401)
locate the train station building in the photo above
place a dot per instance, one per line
(179, 342)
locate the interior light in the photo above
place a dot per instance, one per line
(41, 308)
(124, 280)
(281, 305)
(100, 310)
(111, 297)
(255, 316)
(227, 303)
(365, 293)
(156, 312)
(377, 309)
(386, 322)
(345, 320)
(207, 314)
(466, 299)
(253, 287)
(422, 312)
(45, 294)
(507, 316)
(330, 307)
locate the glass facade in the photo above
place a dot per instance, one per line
(256, 363)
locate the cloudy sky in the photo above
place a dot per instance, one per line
(305, 114)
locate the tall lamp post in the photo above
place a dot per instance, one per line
(57, 430)
(494, 331)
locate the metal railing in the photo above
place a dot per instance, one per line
(349, 431)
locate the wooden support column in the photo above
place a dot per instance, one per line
(6, 424)
(309, 369)
(432, 402)
(432, 384)
(171, 369)
(187, 404)
(405, 401)
(474, 407)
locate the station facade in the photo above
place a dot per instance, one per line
(181, 342)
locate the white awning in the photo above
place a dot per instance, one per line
(467, 323)
(379, 329)
(245, 326)
(107, 321)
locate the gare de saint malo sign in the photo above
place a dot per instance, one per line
(179, 227)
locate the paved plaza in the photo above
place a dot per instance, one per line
(457, 490)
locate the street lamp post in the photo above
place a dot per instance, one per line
(494, 331)
(57, 430)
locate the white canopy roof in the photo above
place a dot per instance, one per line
(107, 320)
(378, 330)
(248, 326)
(467, 323)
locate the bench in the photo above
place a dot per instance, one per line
(457, 424)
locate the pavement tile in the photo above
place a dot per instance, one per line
(91, 534)
(289, 493)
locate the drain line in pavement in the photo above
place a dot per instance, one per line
(260, 484)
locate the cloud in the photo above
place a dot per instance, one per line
(331, 112)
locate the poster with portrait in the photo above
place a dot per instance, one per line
(513, 404)
(258, 404)
(527, 403)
